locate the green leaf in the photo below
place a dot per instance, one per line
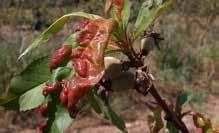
(61, 121)
(150, 10)
(103, 108)
(184, 99)
(126, 13)
(171, 128)
(11, 104)
(66, 70)
(62, 72)
(56, 27)
(32, 98)
(36, 73)
(71, 40)
(58, 116)
(6, 98)
(93, 102)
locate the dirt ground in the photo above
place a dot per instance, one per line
(135, 118)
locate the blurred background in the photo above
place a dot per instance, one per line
(188, 60)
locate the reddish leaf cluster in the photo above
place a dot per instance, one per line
(42, 127)
(51, 89)
(43, 109)
(60, 56)
(88, 61)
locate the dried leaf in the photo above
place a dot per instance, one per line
(202, 124)
(107, 6)
(155, 121)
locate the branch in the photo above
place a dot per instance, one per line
(172, 116)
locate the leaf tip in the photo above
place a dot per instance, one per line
(22, 55)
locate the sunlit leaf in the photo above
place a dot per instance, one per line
(32, 98)
(150, 10)
(56, 27)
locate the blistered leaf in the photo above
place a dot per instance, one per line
(104, 109)
(150, 10)
(60, 56)
(56, 27)
(32, 98)
(88, 60)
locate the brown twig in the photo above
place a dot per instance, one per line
(172, 116)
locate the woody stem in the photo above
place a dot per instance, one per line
(173, 117)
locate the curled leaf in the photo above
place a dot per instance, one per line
(202, 124)
(150, 10)
(88, 61)
(56, 27)
(60, 56)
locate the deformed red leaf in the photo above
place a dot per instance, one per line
(43, 109)
(42, 127)
(60, 56)
(51, 89)
(88, 60)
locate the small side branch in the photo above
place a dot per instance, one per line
(172, 116)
